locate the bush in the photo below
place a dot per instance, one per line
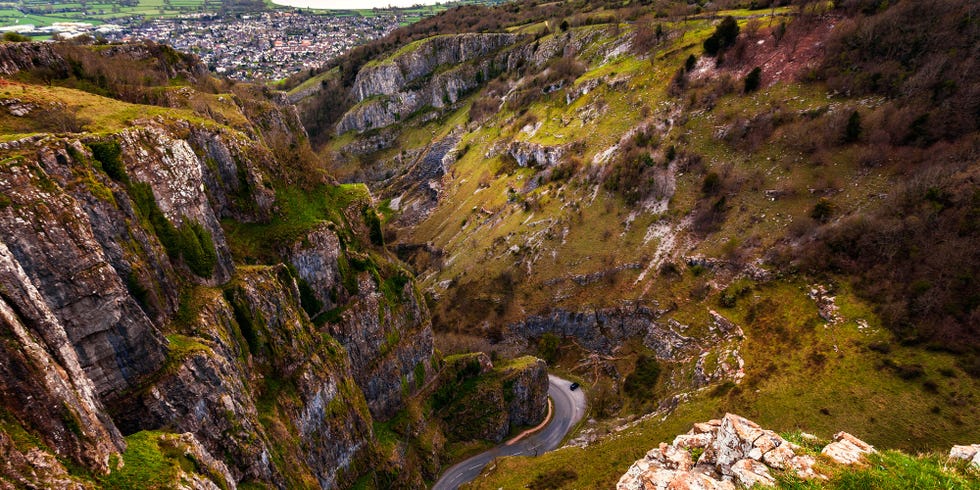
(548, 346)
(15, 37)
(483, 108)
(752, 80)
(690, 62)
(915, 257)
(191, 241)
(852, 131)
(108, 154)
(723, 37)
(147, 207)
(636, 177)
(644, 377)
(917, 54)
(552, 480)
(822, 211)
(373, 223)
(197, 248)
(711, 184)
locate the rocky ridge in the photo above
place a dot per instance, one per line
(733, 452)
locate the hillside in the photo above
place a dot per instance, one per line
(762, 208)
(772, 214)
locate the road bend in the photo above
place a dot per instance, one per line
(569, 408)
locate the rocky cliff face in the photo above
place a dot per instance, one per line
(601, 330)
(251, 356)
(422, 58)
(15, 57)
(384, 328)
(479, 400)
(433, 72)
(122, 310)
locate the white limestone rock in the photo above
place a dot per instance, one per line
(969, 453)
(847, 449)
(749, 472)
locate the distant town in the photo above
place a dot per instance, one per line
(257, 46)
(268, 45)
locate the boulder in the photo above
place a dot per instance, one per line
(749, 472)
(671, 458)
(739, 438)
(969, 453)
(847, 449)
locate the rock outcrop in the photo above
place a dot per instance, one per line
(847, 449)
(15, 57)
(479, 401)
(419, 187)
(535, 155)
(603, 329)
(733, 452)
(389, 341)
(433, 72)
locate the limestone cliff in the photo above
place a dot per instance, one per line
(433, 72)
(124, 309)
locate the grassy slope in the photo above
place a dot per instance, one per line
(94, 113)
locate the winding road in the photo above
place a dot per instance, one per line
(569, 407)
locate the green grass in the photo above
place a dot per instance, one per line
(299, 212)
(100, 12)
(148, 464)
(895, 470)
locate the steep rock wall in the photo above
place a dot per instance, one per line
(126, 337)
(421, 58)
(477, 400)
(15, 57)
(411, 79)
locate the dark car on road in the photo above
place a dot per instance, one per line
(573, 387)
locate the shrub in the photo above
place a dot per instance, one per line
(553, 479)
(373, 223)
(191, 241)
(644, 377)
(307, 297)
(710, 214)
(731, 294)
(711, 184)
(147, 207)
(15, 37)
(108, 154)
(635, 176)
(852, 131)
(822, 211)
(723, 37)
(197, 248)
(548, 346)
(753, 79)
(915, 53)
(690, 62)
(483, 108)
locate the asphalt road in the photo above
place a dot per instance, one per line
(569, 407)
